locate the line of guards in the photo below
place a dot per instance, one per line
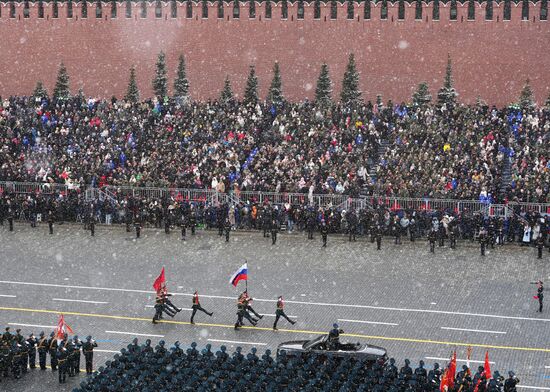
(18, 354)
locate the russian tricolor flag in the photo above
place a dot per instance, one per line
(241, 274)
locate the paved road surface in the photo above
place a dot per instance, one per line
(417, 305)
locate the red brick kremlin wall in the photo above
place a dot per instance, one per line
(491, 59)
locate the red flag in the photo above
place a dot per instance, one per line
(487, 366)
(452, 370)
(160, 282)
(62, 328)
(444, 386)
(477, 385)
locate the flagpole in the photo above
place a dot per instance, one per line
(246, 281)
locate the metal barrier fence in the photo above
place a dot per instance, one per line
(318, 200)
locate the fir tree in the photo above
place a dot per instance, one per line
(351, 95)
(323, 91)
(526, 97)
(160, 82)
(40, 91)
(275, 94)
(132, 94)
(251, 90)
(379, 102)
(447, 94)
(422, 96)
(181, 84)
(61, 89)
(226, 95)
(547, 103)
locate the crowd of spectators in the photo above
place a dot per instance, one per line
(175, 369)
(293, 147)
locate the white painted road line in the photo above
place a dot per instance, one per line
(273, 315)
(233, 341)
(458, 360)
(410, 310)
(135, 334)
(106, 351)
(547, 367)
(530, 387)
(79, 300)
(473, 330)
(33, 325)
(366, 322)
(8, 296)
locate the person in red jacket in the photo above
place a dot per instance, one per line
(197, 306)
(281, 312)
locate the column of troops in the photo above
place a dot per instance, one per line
(18, 354)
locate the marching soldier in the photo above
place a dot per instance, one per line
(77, 343)
(280, 312)
(227, 229)
(243, 313)
(540, 245)
(42, 350)
(50, 221)
(168, 305)
(88, 350)
(52, 348)
(324, 233)
(274, 230)
(248, 308)
(159, 306)
(432, 236)
(197, 306)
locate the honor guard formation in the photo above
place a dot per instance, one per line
(18, 355)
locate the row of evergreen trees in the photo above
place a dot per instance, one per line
(350, 95)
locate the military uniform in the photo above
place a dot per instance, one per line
(378, 237)
(280, 312)
(197, 306)
(483, 241)
(52, 348)
(31, 345)
(540, 246)
(137, 225)
(274, 231)
(511, 382)
(540, 295)
(62, 357)
(77, 344)
(50, 221)
(193, 222)
(183, 224)
(42, 350)
(10, 217)
(432, 238)
(88, 350)
(324, 234)
(227, 230)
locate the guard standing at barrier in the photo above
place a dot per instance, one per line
(166, 221)
(137, 225)
(197, 306)
(32, 342)
(88, 350)
(42, 350)
(274, 231)
(378, 237)
(483, 240)
(280, 312)
(50, 221)
(193, 222)
(540, 245)
(183, 224)
(432, 237)
(10, 217)
(540, 294)
(324, 233)
(92, 224)
(227, 229)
